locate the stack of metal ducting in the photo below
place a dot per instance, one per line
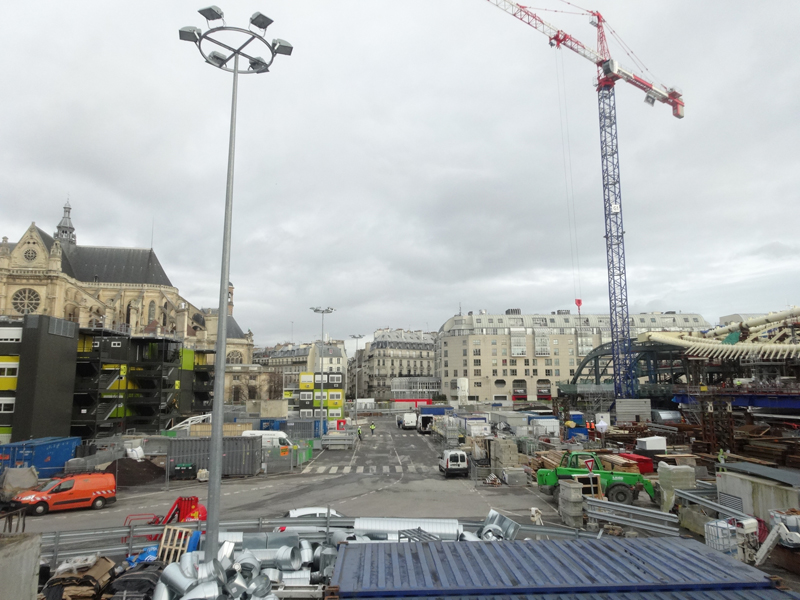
(264, 561)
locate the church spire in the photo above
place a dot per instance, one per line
(65, 231)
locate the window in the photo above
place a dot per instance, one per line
(25, 301)
(445, 363)
(476, 352)
(558, 372)
(571, 362)
(685, 319)
(555, 351)
(555, 342)
(445, 352)
(234, 358)
(534, 362)
(476, 342)
(505, 372)
(505, 362)
(527, 372)
(513, 362)
(695, 320)
(476, 362)
(464, 343)
(548, 362)
(464, 352)
(513, 372)
(499, 320)
(548, 372)
(476, 372)
(641, 320)
(571, 351)
(116, 344)
(464, 363)
(557, 362)
(445, 344)
(9, 371)
(571, 372)
(494, 372)
(552, 321)
(534, 372)
(527, 362)
(235, 377)
(504, 352)
(652, 320)
(477, 384)
(64, 486)
(477, 320)
(7, 405)
(445, 374)
(494, 342)
(494, 351)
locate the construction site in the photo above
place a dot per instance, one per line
(666, 468)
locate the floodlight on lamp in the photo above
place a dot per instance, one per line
(258, 64)
(217, 59)
(282, 47)
(211, 13)
(260, 20)
(189, 34)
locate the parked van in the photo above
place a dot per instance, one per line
(62, 492)
(453, 462)
(269, 439)
(409, 420)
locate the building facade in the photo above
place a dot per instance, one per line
(509, 357)
(393, 353)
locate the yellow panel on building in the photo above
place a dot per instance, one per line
(306, 381)
(9, 368)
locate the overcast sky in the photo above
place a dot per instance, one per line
(408, 159)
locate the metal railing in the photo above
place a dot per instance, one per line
(14, 521)
(701, 497)
(634, 516)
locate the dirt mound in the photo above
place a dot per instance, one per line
(132, 473)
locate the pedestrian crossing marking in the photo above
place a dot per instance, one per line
(371, 469)
(385, 468)
(398, 468)
(346, 470)
(333, 470)
(321, 469)
(412, 469)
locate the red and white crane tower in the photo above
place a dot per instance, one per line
(608, 73)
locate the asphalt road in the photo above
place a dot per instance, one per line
(393, 473)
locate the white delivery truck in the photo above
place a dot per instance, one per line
(409, 420)
(269, 439)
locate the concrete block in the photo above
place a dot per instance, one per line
(572, 509)
(570, 490)
(574, 522)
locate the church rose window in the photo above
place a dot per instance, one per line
(25, 301)
(30, 255)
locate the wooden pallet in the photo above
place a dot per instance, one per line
(174, 543)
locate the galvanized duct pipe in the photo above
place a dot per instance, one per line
(713, 349)
(285, 558)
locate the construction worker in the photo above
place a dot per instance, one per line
(372, 427)
(359, 434)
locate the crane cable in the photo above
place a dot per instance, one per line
(569, 187)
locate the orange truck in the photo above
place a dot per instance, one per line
(63, 492)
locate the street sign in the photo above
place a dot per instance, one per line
(589, 464)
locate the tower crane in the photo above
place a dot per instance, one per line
(608, 73)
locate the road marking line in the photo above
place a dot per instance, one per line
(412, 469)
(398, 468)
(385, 468)
(359, 469)
(307, 470)
(334, 470)
(226, 494)
(321, 469)
(346, 469)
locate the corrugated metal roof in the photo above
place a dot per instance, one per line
(524, 567)
(679, 595)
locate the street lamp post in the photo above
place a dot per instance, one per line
(235, 42)
(323, 312)
(356, 337)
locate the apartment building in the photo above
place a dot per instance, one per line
(394, 353)
(484, 357)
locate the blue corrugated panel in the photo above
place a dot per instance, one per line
(47, 454)
(681, 595)
(537, 567)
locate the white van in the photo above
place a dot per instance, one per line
(269, 439)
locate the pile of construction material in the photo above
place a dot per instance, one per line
(671, 478)
(549, 459)
(503, 453)
(570, 503)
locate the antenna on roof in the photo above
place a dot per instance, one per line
(152, 232)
